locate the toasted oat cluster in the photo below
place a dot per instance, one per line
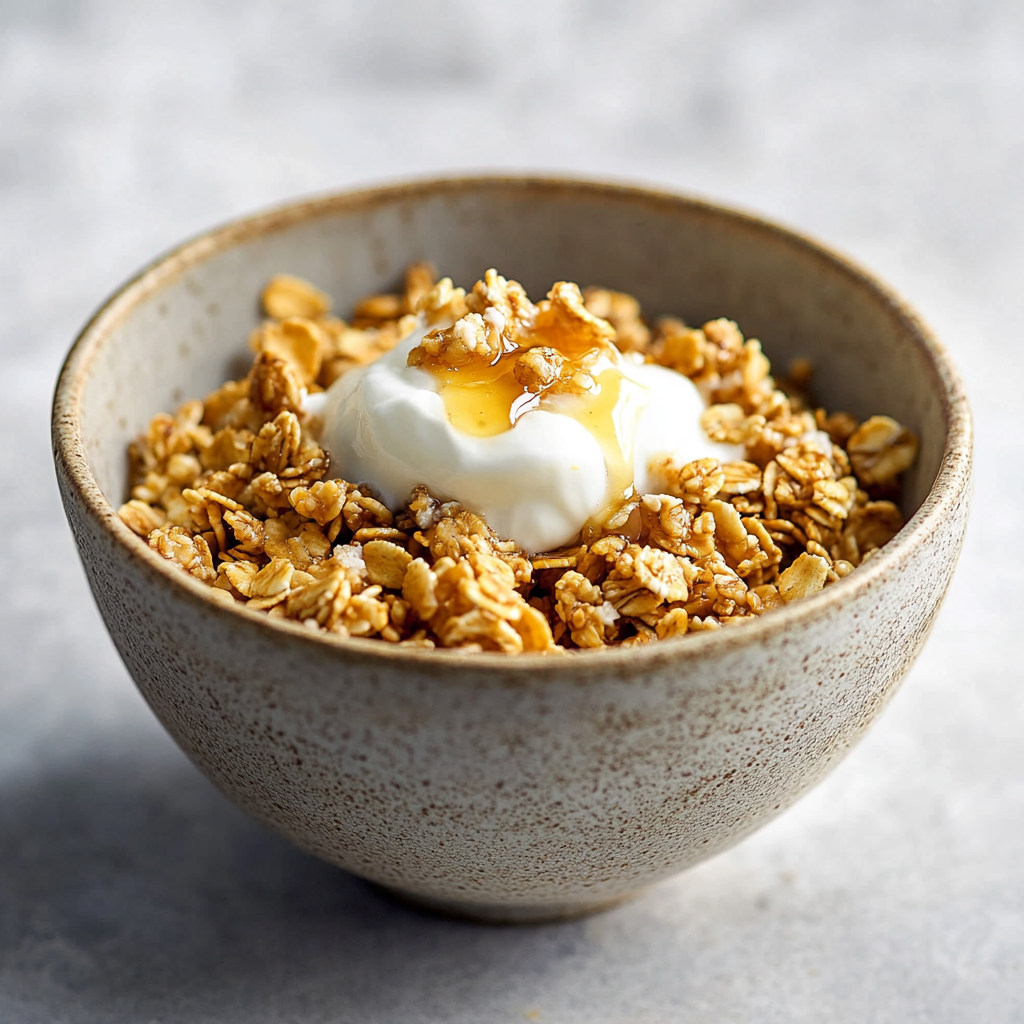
(234, 489)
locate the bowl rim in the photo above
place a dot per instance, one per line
(69, 450)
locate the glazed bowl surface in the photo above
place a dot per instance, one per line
(525, 787)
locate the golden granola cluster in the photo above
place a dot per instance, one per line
(234, 489)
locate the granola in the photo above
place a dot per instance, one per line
(234, 489)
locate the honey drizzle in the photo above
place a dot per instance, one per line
(596, 412)
(484, 399)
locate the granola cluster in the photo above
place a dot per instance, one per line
(235, 489)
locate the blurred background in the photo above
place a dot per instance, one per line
(129, 890)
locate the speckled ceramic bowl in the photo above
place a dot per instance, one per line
(513, 788)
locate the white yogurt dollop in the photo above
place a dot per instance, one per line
(538, 482)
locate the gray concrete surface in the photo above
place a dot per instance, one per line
(129, 890)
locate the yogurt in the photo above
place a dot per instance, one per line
(537, 466)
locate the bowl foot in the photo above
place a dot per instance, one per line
(504, 913)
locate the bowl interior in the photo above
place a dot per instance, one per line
(180, 330)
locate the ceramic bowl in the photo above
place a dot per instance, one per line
(527, 787)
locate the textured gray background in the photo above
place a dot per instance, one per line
(129, 889)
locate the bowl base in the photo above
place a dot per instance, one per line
(505, 913)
